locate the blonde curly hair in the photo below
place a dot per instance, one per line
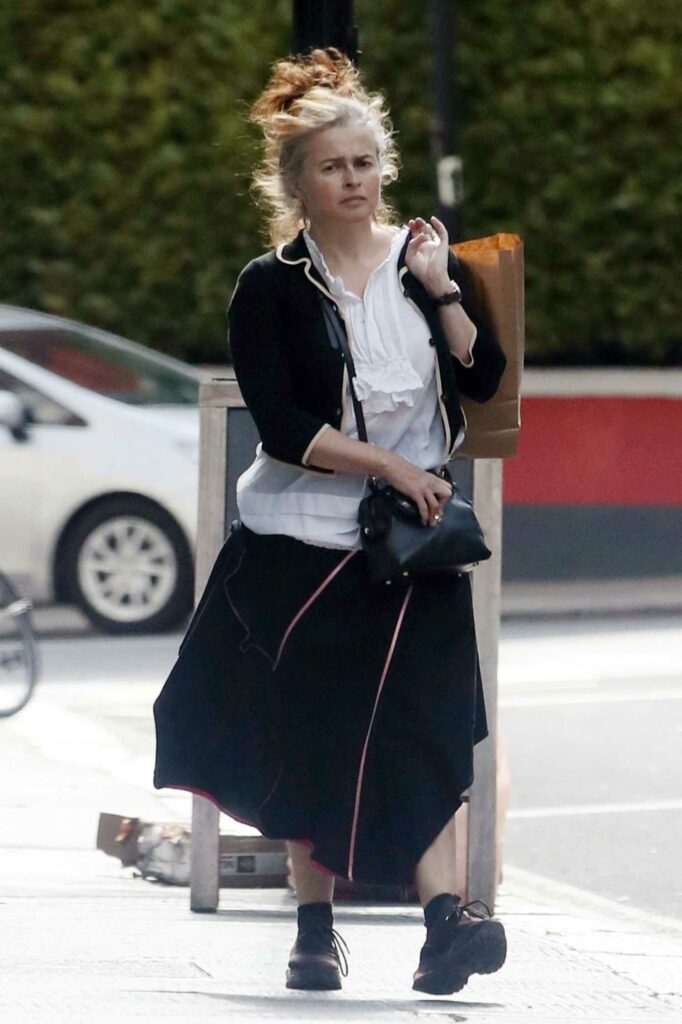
(321, 89)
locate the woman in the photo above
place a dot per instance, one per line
(336, 713)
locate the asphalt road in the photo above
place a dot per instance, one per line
(593, 719)
(591, 712)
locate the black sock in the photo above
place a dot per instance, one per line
(318, 913)
(438, 907)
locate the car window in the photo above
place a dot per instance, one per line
(110, 367)
(39, 408)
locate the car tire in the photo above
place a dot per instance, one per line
(127, 565)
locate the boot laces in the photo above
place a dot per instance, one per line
(440, 932)
(476, 908)
(341, 951)
(325, 934)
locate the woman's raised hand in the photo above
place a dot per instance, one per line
(427, 254)
(428, 491)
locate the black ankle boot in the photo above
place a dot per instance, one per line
(318, 957)
(460, 941)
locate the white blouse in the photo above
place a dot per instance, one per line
(396, 383)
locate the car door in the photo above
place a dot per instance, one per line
(26, 467)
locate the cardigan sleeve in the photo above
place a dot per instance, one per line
(479, 378)
(287, 432)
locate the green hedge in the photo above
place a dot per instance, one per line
(125, 159)
(125, 190)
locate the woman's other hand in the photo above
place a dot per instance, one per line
(427, 254)
(429, 492)
(334, 450)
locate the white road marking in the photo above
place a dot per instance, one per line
(570, 810)
(639, 654)
(549, 699)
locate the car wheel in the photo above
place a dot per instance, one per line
(128, 567)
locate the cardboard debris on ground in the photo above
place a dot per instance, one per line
(246, 862)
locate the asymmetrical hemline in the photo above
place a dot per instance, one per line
(325, 709)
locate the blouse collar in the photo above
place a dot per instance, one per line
(335, 284)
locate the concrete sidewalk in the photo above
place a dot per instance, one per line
(84, 941)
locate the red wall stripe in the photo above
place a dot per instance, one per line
(585, 450)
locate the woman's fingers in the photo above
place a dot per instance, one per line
(434, 507)
(435, 499)
(422, 229)
(433, 228)
(424, 510)
(422, 243)
(421, 233)
(440, 229)
(429, 492)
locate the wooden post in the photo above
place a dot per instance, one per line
(215, 398)
(482, 864)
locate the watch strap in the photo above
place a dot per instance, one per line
(447, 298)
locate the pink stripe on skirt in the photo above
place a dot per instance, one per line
(358, 788)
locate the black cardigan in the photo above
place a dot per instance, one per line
(291, 378)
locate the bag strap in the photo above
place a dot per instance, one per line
(336, 332)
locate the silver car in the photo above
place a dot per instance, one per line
(98, 471)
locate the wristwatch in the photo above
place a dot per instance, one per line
(447, 298)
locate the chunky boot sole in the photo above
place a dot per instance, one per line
(314, 977)
(484, 953)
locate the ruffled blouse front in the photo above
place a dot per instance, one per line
(382, 327)
(395, 381)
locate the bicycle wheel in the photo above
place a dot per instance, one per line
(18, 651)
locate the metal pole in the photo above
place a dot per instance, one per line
(324, 23)
(444, 134)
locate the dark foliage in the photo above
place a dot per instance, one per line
(126, 157)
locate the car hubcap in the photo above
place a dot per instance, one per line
(127, 569)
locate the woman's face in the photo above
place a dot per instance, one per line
(341, 177)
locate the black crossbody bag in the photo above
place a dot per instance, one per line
(392, 534)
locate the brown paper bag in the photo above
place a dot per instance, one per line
(493, 268)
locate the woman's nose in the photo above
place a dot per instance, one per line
(352, 177)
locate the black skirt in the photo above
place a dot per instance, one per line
(321, 707)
